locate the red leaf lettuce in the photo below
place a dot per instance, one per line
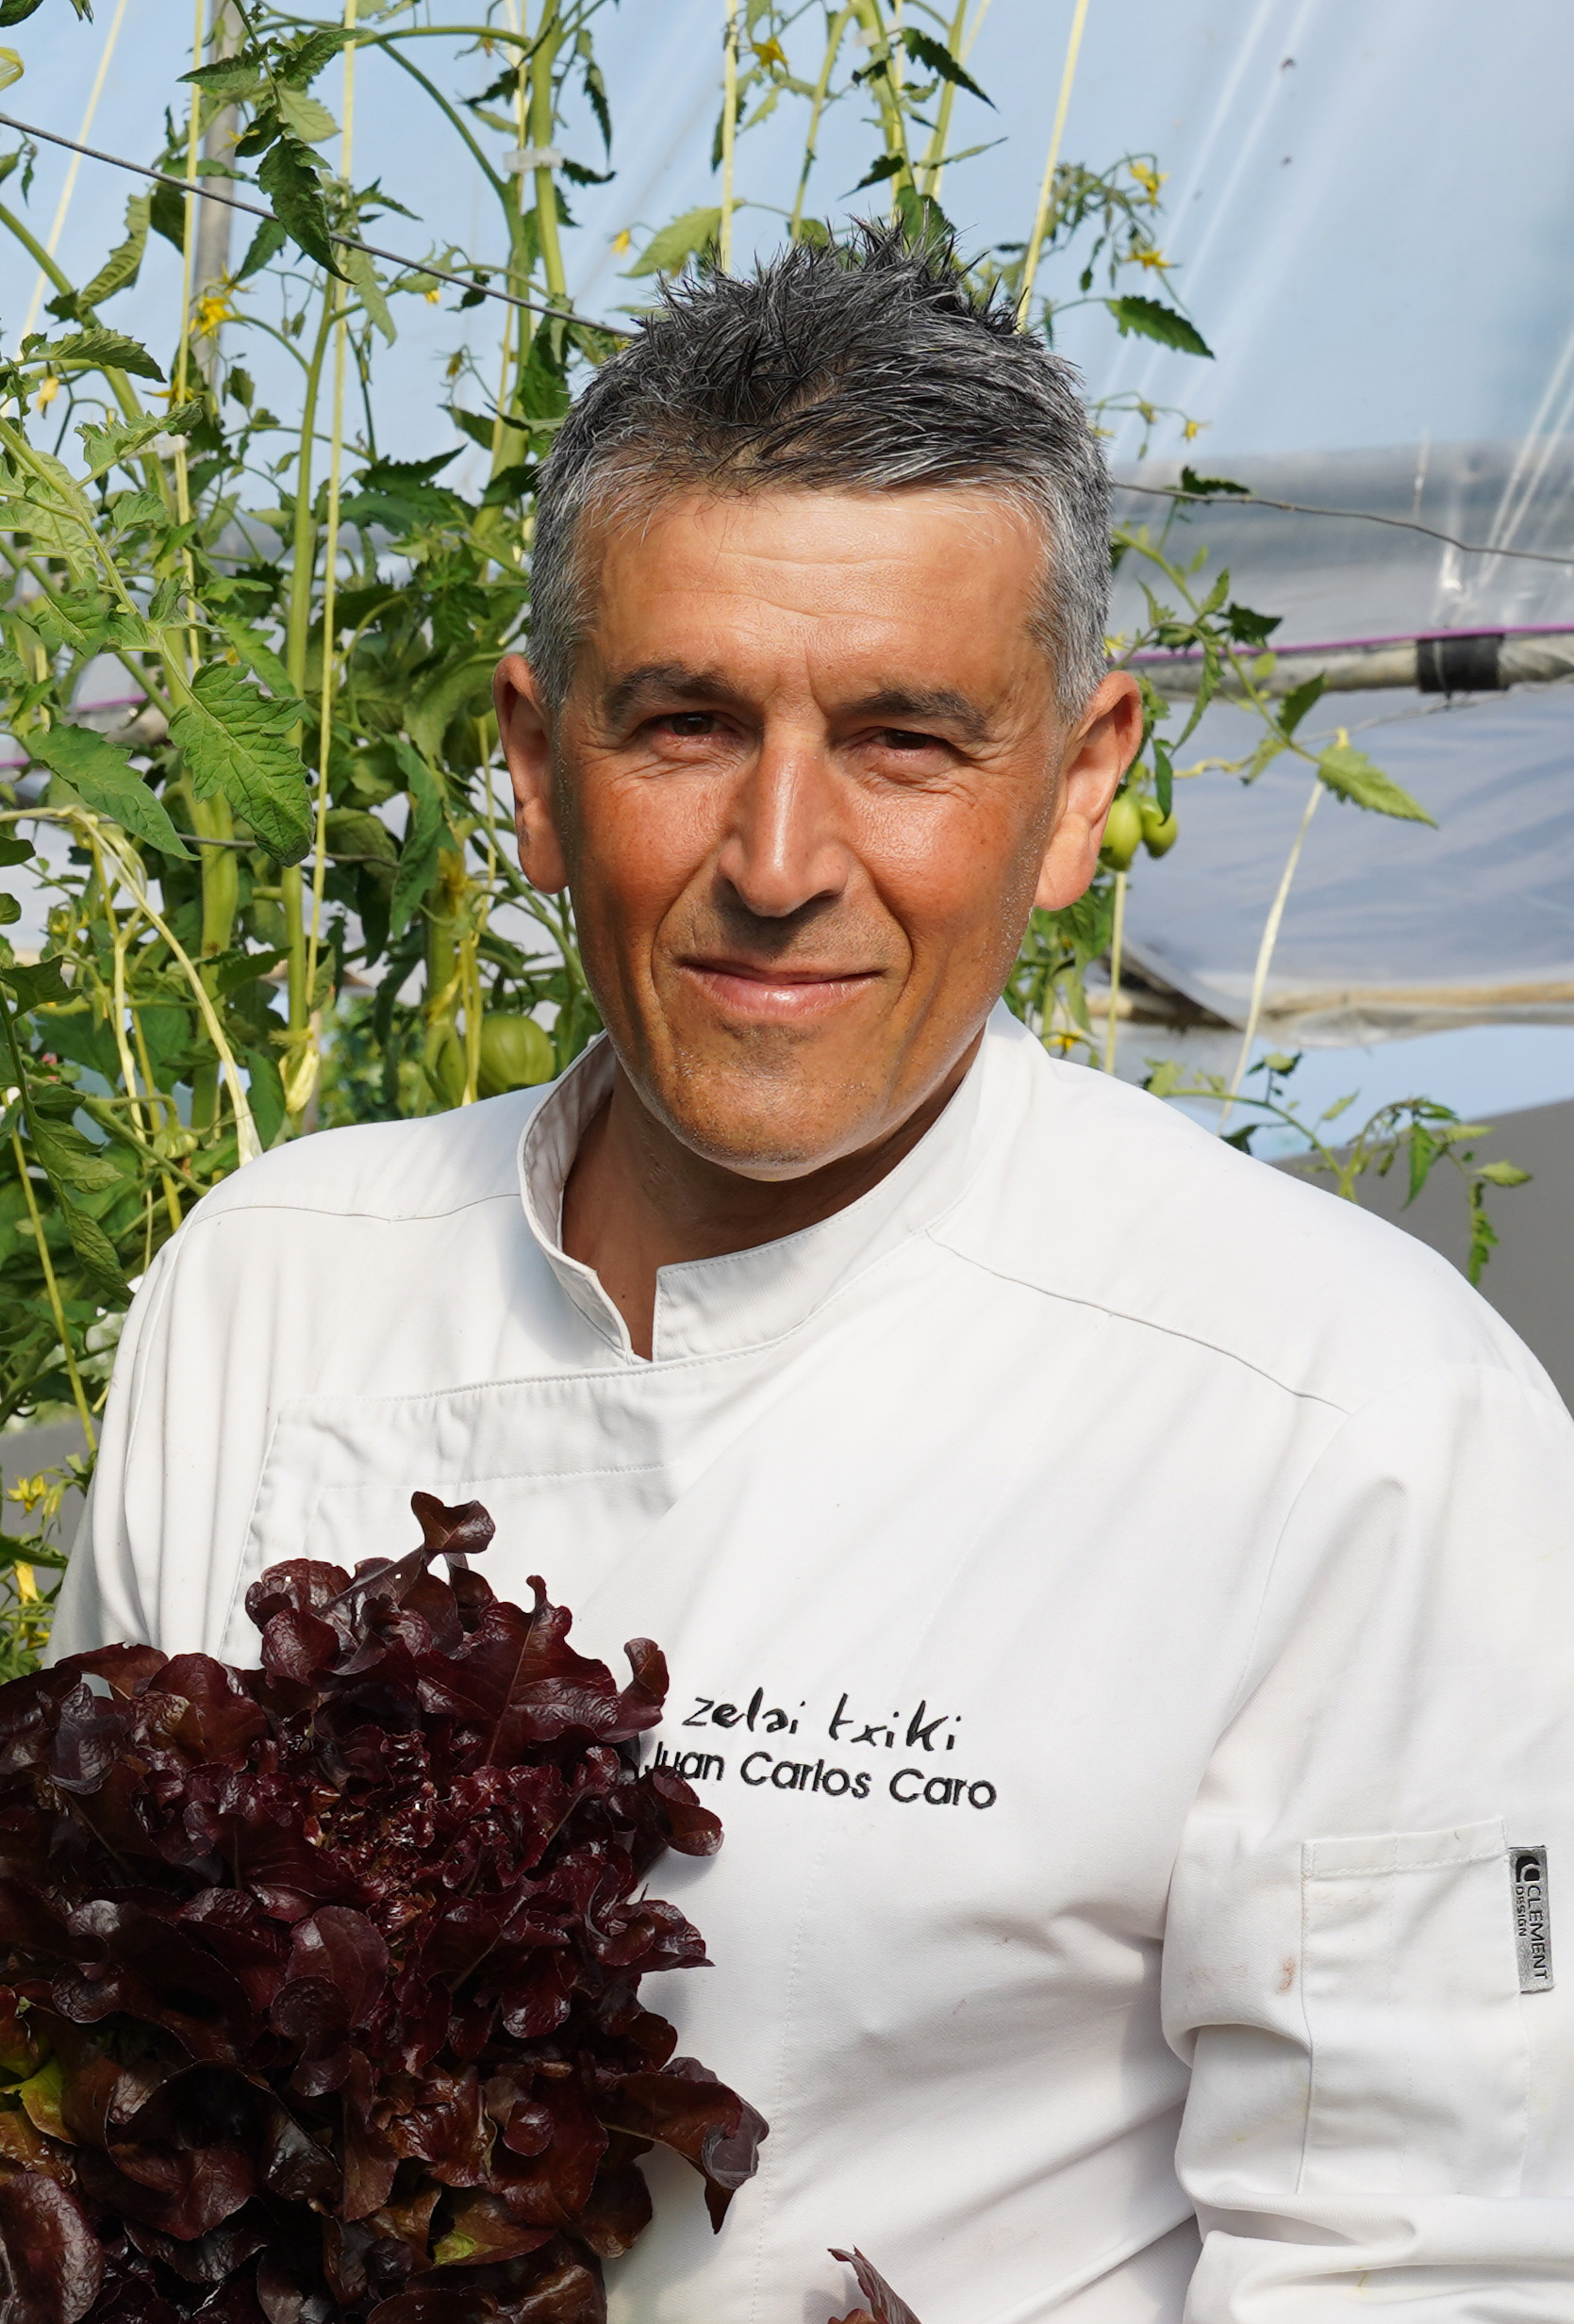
(321, 1980)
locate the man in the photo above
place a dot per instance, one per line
(1118, 1598)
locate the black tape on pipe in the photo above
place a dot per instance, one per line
(1457, 664)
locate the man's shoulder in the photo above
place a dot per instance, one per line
(386, 1171)
(1111, 1198)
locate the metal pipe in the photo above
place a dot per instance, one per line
(1455, 662)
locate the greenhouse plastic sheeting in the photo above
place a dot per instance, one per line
(1391, 928)
(1377, 574)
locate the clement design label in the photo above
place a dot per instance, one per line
(1533, 1920)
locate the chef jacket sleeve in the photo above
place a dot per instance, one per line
(109, 1587)
(1379, 2115)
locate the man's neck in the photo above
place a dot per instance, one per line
(637, 1199)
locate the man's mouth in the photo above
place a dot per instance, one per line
(771, 993)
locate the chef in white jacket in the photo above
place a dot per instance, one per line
(1119, 1599)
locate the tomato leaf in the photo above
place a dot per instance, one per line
(1152, 319)
(103, 778)
(667, 251)
(1299, 700)
(104, 351)
(1350, 774)
(418, 857)
(936, 57)
(40, 984)
(120, 267)
(236, 740)
(288, 178)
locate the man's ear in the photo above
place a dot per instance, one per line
(1101, 746)
(525, 728)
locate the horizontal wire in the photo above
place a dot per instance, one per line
(1304, 508)
(349, 242)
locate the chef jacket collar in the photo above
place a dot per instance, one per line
(709, 1307)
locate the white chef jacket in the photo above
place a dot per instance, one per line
(1118, 1600)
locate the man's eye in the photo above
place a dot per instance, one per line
(902, 738)
(688, 722)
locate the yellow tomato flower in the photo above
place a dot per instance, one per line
(213, 308)
(49, 388)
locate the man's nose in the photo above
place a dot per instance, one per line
(784, 847)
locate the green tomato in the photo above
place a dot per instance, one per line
(1159, 832)
(516, 1053)
(1122, 833)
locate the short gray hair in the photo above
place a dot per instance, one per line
(865, 364)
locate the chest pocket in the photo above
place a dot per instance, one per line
(571, 1470)
(1411, 1988)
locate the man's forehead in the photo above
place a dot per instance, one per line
(836, 524)
(912, 607)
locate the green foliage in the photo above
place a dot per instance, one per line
(1350, 774)
(32, 1557)
(688, 237)
(120, 267)
(1152, 319)
(1413, 1135)
(235, 741)
(101, 777)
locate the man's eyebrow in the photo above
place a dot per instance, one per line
(893, 705)
(662, 681)
(924, 707)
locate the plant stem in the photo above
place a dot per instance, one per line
(297, 645)
(128, 865)
(211, 818)
(549, 39)
(513, 205)
(188, 244)
(887, 97)
(1265, 950)
(1117, 937)
(302, 1083)
(1046, 190)
(833, 39)
(52, 1288)
(57, 1305)
(929, 169)
(729, 136)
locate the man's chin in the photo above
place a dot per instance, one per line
(768, 1152)
(785, 1130)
